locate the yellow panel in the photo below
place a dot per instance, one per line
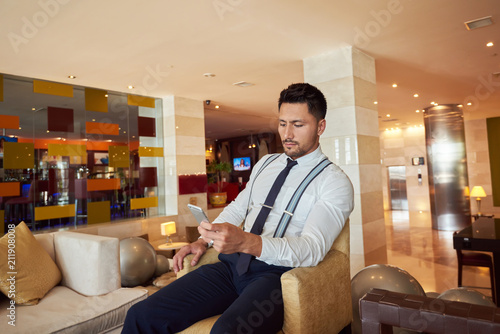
(2, 217)
(119, 156)
(102, 184)
(18, 155)
(52, 88)
(141, 101)
(150, 151)
(67, 150)
(10, 189)
(1, 89)
(96, 100)
(141, 203)
(98, 212)
(54, 211)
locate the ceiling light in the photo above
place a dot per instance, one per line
(388, 115)
(243, 84)
(217, 107)
(394, 85)
(478, 23)
(469, 104)
(105, 95)
(417, 110)
(130, 87)
(209, 75)
(71, 77)
(415, 95)
(375, 102)
(460, 105)
(489, 44)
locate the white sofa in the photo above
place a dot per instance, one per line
(89, 299)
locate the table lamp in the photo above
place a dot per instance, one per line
(478, 192)
(167, 229)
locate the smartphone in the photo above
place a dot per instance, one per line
(198, 213)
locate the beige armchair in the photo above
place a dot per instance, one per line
(316, 299)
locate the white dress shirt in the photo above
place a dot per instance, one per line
(317, 221)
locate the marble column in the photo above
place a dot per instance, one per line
(184, 143)
(347, 78)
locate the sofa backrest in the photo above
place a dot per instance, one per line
(342, 243)
(47, 242)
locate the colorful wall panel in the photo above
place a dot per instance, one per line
(54, 212)
(102, 128)
(9, 122)
(52, 88)
(103, 184)
(10, 189)
(98, 212)
(60, 119)
(141, 101)
(143, 203)
(147, 126)
(1, 88)
(119, 156)
(18, 155)
(67, 150)
(96, 100)
(151, 151)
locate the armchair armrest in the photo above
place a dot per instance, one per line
(318, 299)
(90, 264)
(211, 256)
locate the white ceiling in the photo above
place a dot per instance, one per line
(163, 47)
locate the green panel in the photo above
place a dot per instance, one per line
(493, 126)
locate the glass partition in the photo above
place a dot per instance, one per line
(73, 155)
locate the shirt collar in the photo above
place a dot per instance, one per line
(308, 158)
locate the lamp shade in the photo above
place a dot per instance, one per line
(477, 191)
(168, 228)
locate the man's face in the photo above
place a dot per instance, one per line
(299, 130)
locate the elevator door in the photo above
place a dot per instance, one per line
(397, 187)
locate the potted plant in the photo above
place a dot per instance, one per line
(216, 168)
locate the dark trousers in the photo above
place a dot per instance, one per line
(251, 303)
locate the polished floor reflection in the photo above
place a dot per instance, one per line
(427, 254)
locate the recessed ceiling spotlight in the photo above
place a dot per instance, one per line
(469, 104)
(388, 115)
(460, 105)
(105, 95)
(417, 110)
(375, 102)
(130, 87)
(209, 75)
(478, 23)
(415, 95)
(217, 107)
(243, 84)
(394, 85)
(489, 44)
(71, 77)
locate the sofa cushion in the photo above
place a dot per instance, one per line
(63, 310)
(29, 267)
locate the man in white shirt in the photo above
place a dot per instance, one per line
(239, 294)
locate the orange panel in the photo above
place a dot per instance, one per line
(103, 184)
(10, 189)
(9, 122)
(102, 128)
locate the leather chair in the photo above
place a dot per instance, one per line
(316, 299)
(476, 259)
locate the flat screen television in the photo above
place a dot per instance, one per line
(240, 164)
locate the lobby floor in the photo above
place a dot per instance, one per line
(428, 255)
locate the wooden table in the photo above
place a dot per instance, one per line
(483, 235)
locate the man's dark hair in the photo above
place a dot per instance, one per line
(305, 93)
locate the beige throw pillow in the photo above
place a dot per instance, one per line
(27, 272)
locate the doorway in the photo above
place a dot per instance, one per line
(397, 188)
